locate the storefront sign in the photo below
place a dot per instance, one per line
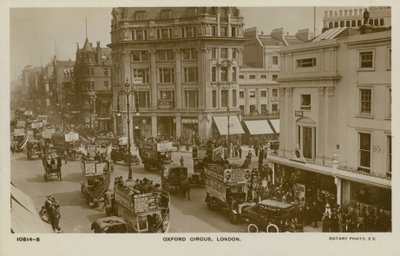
(21, 124)
(28, 112)
(137, 80)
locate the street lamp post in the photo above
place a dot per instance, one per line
(127, 90)
(229, 139)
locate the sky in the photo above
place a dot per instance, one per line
(37, 34)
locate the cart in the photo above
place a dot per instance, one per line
(52, 166)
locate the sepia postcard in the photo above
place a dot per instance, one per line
(194, 128)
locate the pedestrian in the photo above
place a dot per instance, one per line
(65, 156)
(326, 223)
(186, 189)
(335, 221)
(12, 148)
(240, 151)
(55, 216)
(181, 161)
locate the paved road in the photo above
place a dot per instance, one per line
(186, 216)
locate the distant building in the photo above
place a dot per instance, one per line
(259, 75)
(93, 86)
(353, 17)
(335, 114)
(183, 64)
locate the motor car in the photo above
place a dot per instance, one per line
(267, 216)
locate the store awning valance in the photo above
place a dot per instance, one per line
(234, 125)
(257, 127)
(275, 124)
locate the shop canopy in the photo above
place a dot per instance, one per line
(257, 127)
(275, 125)
(234, 125)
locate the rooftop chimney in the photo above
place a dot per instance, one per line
(277, 33)
(304, 34)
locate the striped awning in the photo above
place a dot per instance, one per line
(234, 125)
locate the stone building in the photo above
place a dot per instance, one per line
(93, 86)
(335, 115)
(183, 65)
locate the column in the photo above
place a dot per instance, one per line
(338, 183)
(153, 67)
(178, 79)
(127, 66)
(203, 76)
(246, 102)
(178, 125)
(115, 124)
(258, 103)
(154, 132)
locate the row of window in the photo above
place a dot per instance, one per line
(262, 76)
(263, 93)
(89, 72)
(263, 110)
(165, 75)
(306, 139)
(190, 12)
(366, 60)
(190, 98)
(184, 32)
(220, 74)
(187, 54)
(365, 101)
(356, 23)
(90, 85)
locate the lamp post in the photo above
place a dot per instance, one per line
(127, 89)
(229, 138)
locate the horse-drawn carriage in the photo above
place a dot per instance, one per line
(96, 179)
(52, 166)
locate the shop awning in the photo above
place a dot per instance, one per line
(275, 124)
(257, 127)
(234, 125)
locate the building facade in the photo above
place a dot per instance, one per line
(335, 134)
(93, 86)
(183, 65)
(353, 17)
(259, 74)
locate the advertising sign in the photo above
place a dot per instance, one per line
(36, 125)
(71, 136)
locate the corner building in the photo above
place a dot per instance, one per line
(335, 133)
(183, 65)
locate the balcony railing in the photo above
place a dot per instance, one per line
(262, 114)
(327, 162)
(165, 104)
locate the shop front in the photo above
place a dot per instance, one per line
(310, 186)
(190, 127)
(142, 124)
(166, 127)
